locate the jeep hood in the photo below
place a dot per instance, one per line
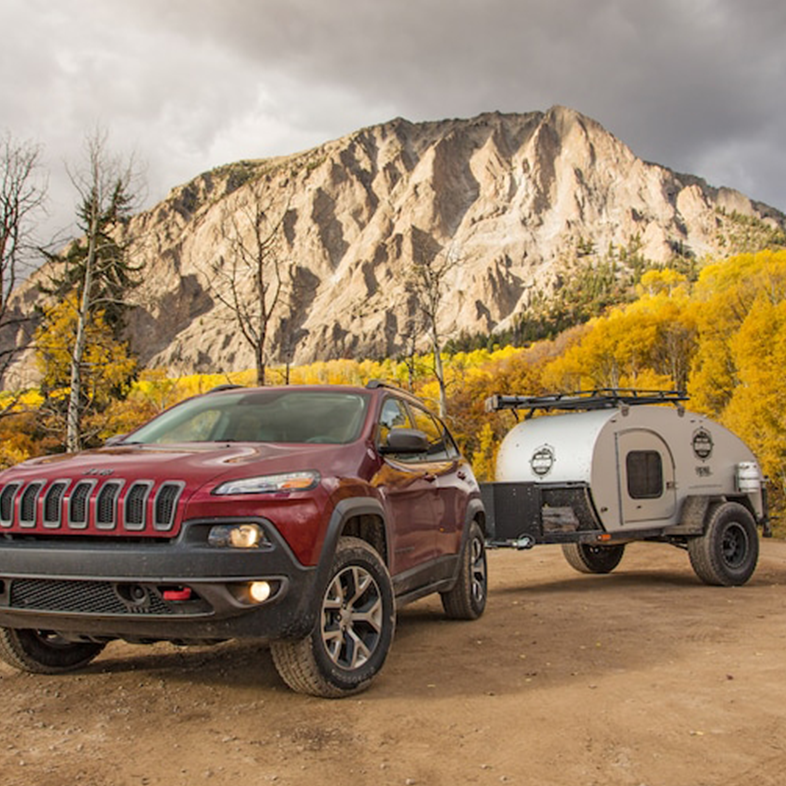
(194, 463)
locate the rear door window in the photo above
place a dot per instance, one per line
(645, 474)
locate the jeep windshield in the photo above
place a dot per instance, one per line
(289, 416)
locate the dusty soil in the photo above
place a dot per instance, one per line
(644, 677)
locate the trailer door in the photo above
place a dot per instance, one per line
(646, 476)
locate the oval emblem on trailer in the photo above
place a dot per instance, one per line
(702, 443)
(542, 460)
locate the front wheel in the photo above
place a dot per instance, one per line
(727, 553)
(44, 652)
(467, 599)
(353, 631)
(586, 558)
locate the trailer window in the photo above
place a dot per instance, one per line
(645, 474)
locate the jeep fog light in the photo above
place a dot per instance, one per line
(236, 536)
(253, 593)
(259, 591)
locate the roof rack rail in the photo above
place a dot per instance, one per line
(226, 386)
(601, 398)
(373, 384)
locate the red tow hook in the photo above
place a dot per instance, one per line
(180, 593)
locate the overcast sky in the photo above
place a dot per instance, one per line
(695, 85)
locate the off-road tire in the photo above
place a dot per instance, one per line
(587, 558)
(727, 553)
(353, 630)
(467, 599)
(44, 652)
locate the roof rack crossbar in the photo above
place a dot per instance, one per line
(600, 398)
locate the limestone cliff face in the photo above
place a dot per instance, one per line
(507, 195)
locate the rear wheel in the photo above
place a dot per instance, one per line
(353, 631)
(467, 599)
(587, 558)
(44, 652)
(727, 553)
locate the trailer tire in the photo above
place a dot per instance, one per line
(353, 631)
(44, 652)
(467, 599)
(727, 553)
(587, 558)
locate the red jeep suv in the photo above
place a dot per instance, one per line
(300, 515)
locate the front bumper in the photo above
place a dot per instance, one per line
(179, 590)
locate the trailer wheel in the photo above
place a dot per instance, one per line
(587, 558)
(353, 631)
(727, 553)
(44, 652)
(467, 599)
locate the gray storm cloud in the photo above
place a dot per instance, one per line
(695, 85)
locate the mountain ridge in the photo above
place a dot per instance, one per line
(510, 195)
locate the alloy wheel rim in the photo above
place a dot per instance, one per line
(478, 570)
(352, 618)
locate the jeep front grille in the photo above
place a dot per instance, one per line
(28, 504)
(77, 504)
(53, 503)
(136, 504)
(165, 505)
(106, 504)
(84, 505)
(7, 497)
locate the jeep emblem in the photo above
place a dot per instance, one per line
(97, 471)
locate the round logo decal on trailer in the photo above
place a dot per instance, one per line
(702, 444)
(542, 460)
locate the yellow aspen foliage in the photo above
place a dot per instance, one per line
(107, 364)
(666, 281)
(484, 459)
(16, 439)
(648, 343)
(723, 298)
(755, 410)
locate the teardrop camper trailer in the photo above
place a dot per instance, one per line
(616, 466)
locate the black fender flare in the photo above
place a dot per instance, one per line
(345, 510)
(475, 512)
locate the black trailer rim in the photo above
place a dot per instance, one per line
(735, 545)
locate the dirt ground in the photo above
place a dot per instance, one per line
(644, 677)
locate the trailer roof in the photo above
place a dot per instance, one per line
(582, 400)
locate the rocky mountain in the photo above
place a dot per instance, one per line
(508, 196)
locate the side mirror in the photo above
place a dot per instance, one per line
(405, 440)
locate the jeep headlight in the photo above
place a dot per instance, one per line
(237, 536)
(268, 484)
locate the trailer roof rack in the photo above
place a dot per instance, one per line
(602, 398)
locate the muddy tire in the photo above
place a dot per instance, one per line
(727, 553)
(467, 599)
(44, 652)
(353, 631)
(587, 558)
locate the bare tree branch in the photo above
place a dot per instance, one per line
(22, 195)
(255, 255)
(105, 188)
(426, 281)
